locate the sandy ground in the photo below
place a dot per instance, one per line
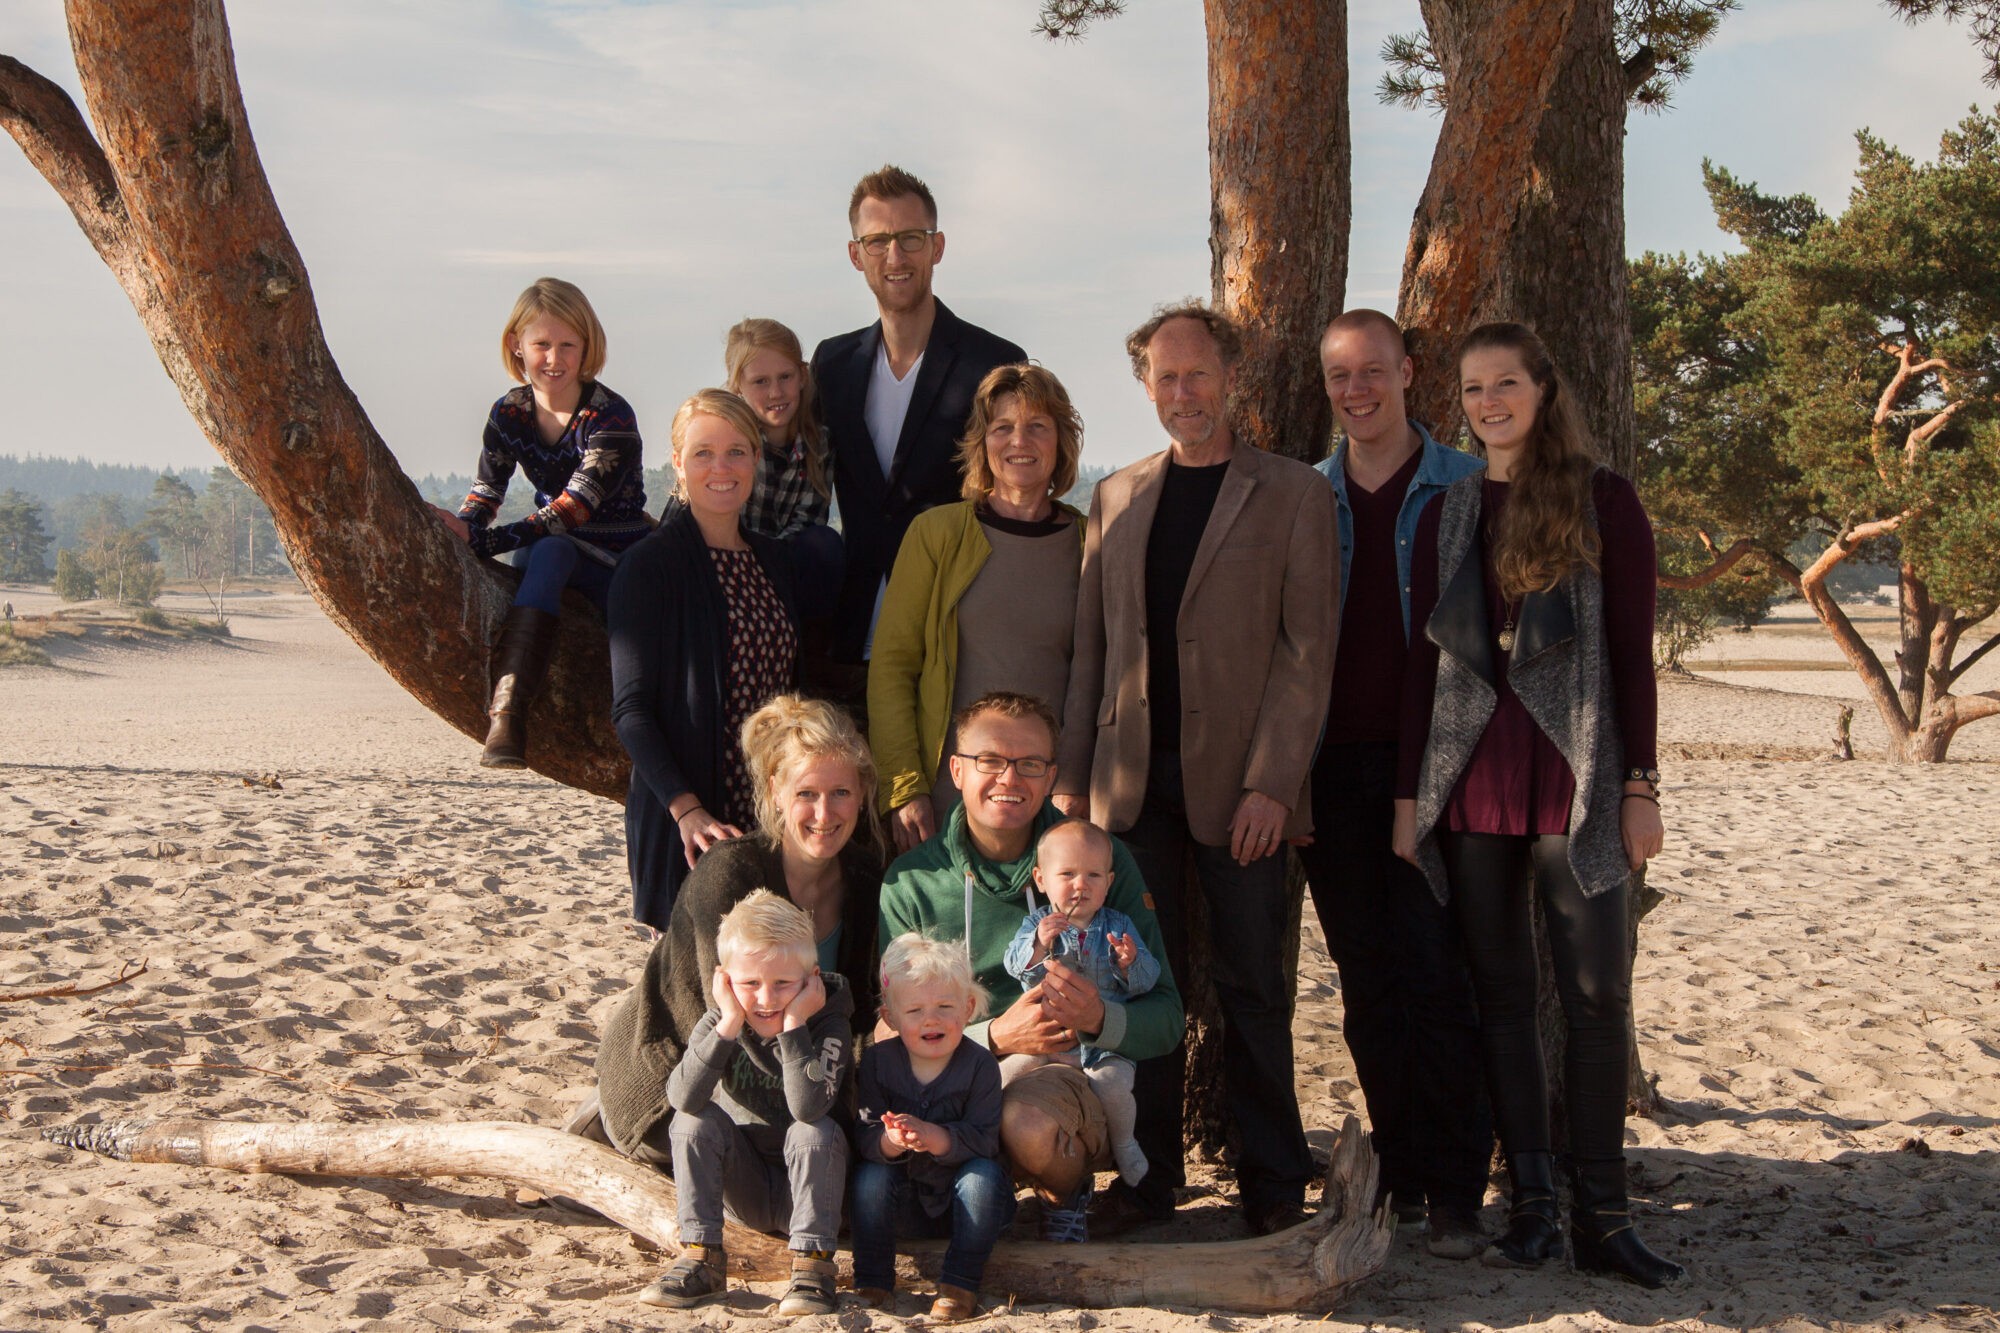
(389, 933)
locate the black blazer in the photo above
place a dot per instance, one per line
(875, 511)
(669, 677)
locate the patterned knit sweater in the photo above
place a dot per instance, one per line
(589, 484)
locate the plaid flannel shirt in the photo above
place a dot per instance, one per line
(784, 502)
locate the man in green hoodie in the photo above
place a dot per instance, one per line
(970, 882)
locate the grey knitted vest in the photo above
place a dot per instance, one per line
(1560, 670)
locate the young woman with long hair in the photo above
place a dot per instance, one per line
(1527, 772)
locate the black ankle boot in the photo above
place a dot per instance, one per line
(1600, 1229)
(1534, 1222)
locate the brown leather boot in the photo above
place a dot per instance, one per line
(953, 1304)
(519, 666)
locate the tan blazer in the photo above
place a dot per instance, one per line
(1257, 627)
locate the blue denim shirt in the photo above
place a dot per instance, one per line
(1438, 468)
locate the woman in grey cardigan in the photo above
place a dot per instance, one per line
(1528, 745)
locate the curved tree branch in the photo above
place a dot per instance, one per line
(1966, 663)
(1721, 565)
(177, 203)
(43, 120)
(1874, 676)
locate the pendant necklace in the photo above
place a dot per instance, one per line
(1506, 636)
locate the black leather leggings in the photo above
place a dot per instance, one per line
(1490, 887)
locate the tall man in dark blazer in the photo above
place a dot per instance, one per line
(1204, 641)
(895, 394)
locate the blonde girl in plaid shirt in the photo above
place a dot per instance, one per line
(794, 495)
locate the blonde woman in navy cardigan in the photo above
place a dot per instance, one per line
(703, 631)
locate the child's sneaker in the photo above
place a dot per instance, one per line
(701, 1274)
(1069, 1224)
(811, 1291)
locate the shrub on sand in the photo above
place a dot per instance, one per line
(19, 652)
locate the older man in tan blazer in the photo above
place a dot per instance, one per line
(1204, 643)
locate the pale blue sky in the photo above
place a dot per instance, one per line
(688, 164)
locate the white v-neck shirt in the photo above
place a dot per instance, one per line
(888, 403)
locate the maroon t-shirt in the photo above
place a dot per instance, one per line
(1368, 669)
(1516, 781)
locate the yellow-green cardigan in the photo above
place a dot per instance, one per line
(914, 666)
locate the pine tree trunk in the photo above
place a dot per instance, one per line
(1530, 226)
(1279, 160)
(1500, 59)
(1563, 272)
(177, 205)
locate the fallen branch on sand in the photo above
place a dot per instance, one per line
(1306, 1268)
(125, 974)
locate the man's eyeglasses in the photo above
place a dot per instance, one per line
(909, 242)
(1030, 767)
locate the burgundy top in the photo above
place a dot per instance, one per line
(1368, 669)
(762, 648)
(1516, 781)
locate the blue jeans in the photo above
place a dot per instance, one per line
(554, 563)
(883, 1201)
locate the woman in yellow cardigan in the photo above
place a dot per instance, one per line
(982, 596)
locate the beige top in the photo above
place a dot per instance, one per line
(1016, 626)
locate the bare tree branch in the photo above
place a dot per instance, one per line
(1922, 435)
(70, 989)
(1866, 663)
(58, 143)
(1971, 707)
(1640, 67)
(1721, 565)
(1967, 662)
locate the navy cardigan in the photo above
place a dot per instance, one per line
(669, 672)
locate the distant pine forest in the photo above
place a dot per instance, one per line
(95, 522)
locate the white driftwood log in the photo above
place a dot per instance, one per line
(1304, 1269)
